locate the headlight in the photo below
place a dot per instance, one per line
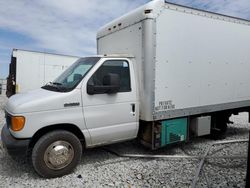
(17, 123)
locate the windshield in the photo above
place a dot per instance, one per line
(71, 77)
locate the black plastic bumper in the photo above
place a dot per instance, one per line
(15, 147)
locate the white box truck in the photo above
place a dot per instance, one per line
(163, 74)
(30, 70)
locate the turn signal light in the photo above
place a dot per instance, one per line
(17, 123)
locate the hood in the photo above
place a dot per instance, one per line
(41, 100)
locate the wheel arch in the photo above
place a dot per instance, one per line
(67, 127)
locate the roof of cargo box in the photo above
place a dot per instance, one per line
(153, 9)
(113, 56)
(132, 17)
(14, 51)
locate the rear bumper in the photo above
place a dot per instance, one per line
(15, 147)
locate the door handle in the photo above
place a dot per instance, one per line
(133, 109)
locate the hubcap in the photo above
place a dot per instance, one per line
(58, 155)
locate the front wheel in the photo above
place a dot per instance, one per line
(56, 154)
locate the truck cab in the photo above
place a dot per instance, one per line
(94, 102)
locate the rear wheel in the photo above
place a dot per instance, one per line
(219, 125)
(56, 154)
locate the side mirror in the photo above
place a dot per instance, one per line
(111, 84)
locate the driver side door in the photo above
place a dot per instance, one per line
(112, 117)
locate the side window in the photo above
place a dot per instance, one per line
(120, 67)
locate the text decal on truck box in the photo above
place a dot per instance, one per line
(165, 105)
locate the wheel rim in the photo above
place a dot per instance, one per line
(58, 155)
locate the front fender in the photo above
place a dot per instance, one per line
(38, 120)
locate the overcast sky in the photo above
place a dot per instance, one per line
(70, 26)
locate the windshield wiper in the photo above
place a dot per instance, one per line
(55, 86)
(54, 83)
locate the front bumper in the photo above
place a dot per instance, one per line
(15, 147)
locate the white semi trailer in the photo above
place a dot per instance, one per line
(30, 70)
(165, 74)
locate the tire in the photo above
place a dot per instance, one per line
(56, 153)
(219, 127)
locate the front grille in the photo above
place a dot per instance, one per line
(8, 119)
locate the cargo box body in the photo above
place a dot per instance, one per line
(188, 61)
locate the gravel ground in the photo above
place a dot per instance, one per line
(100, 168)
